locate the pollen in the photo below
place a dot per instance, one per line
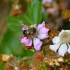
(65, 37)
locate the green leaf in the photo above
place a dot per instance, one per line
(11, 45)
(37, 15)
(33, 14)
(10, 42)
(14, 23)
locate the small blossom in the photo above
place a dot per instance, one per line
(44, 1)
(61, 43)
(41, 33)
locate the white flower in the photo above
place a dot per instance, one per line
(61, 43)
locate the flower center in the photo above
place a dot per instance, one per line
(65, 37)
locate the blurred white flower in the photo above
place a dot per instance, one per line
(61, 43)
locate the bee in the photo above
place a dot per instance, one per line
(29, 31)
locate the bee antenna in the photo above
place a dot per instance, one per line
(21, 23)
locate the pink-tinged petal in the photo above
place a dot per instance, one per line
(43, 30)
(27, 42)
(44, 1)
(42, 36)
(56, 39)
(23, 39)
(24, 27)
(54, 47)
(37, 44)
(41, 25)
(62, 50)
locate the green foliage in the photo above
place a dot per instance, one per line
(34, 11)
(11, 45)
(11, 40)
(13, 23)
(2, 67)
(33, 15)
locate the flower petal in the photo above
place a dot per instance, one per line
(27, 42)
(44, 1)
(62, 50)
(41, 25)
(61, 32)
(23, 39)
(54, 47)
(56, 39)
(64, 31)
(69, 49)
(37, 44)
(42, 36)
(24, 27)
(67, 31)
(43, 30)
